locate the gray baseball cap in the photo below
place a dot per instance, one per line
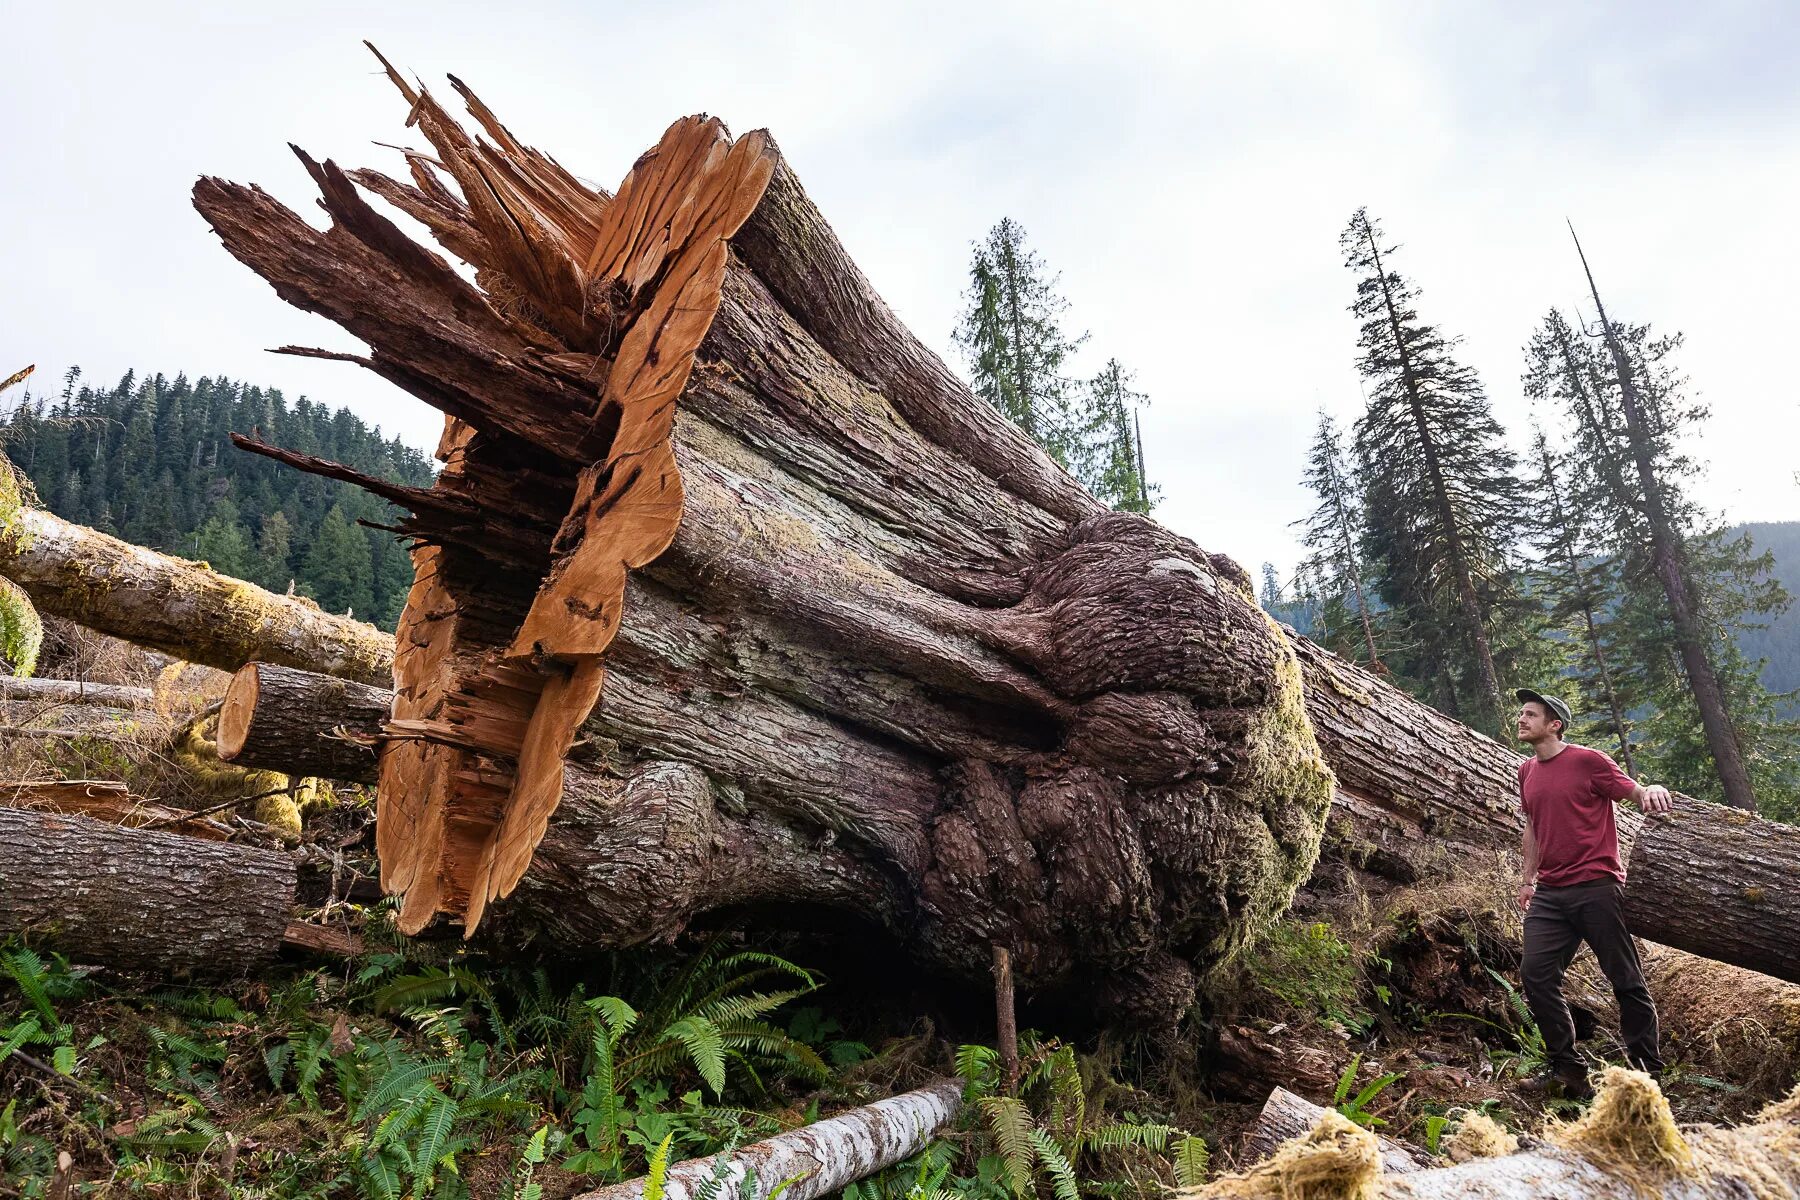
(1556, 707)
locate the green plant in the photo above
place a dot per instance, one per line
(1050, 1132)
(1357, 1107)
(1310, 969)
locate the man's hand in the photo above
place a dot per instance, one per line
(1526, 892)
(1654, 798)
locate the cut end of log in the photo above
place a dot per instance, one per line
(237, 711)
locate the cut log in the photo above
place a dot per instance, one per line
(74, 691)
(817, 1160)
(313, 712)
(1286, 1116)
(107, 801)
(1623, 1148)
(180, 607)
(887, 626)
(1708, 841)
(138, 899)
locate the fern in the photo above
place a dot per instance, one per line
(705, 1047)
(656, 1179)
(1192, 1159)
(28, 971)
(1062, 1175)
(1120, 1134)
(979, 1067)
(434, 1138)
(28, 1030)
(1009, 1123)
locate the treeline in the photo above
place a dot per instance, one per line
(149, 460)
(1439, 556)
(1018, 353)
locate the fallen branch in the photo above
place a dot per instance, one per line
(821, 1158)
(1286, 1116)
(75, 691)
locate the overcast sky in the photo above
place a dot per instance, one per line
(1186, 167)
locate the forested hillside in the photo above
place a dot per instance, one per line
(149, 459)
(1779, 644)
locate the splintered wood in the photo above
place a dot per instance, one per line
(610, 298)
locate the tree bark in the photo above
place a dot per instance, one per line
(306, 712)
(180, 607)
(887, 627)
(1667, 560)
(1286, 1116)
(1719, 882)
(819, 1159)
(74, 691)
(109, 802)
(140, 899)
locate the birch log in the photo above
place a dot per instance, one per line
(820, 1159)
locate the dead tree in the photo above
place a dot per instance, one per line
(696, 472)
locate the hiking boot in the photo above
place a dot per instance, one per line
(1565, 1083)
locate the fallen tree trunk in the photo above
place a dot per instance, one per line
(873, 618)
(1673, 859)
(180, 607)
(1286, 1116)
(74, 691)
(306, 715)
(816, 1160)
(141, 899)
(107, 801)
(1625, 1146)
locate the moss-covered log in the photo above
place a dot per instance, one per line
(182, 608)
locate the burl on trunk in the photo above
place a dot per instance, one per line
(854, 639)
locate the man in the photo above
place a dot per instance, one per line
(1574, 886)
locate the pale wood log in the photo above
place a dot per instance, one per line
(1285, 1116)
(816, 1160)
(74, 691)
(179, 607)
(107, 801)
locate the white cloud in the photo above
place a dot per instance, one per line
(1186, 166)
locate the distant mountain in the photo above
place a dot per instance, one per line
(149, 460)
(1778, 645)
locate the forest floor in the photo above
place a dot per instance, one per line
(427, 1068)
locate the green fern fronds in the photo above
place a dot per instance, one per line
(31, 975)
(1120, 1134)
(657, 1178)
(1009, 1124)
(979, 1067)
(1192, 1159)
(434, 1138)
(617, 1016)
(1062, 1175)
(705, 1047)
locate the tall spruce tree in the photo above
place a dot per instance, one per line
(1439, 488)
(1573, 583)
(1111, 460)
(1333, 534)
(1011, 333)
(1650, 417)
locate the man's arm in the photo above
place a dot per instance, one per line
(1652, 798)
(1528, 881)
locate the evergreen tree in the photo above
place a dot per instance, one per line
(1572, 583)
(1112, 460)
(1439, 490)
(274, 547)
(1332, 533)
(1012, 336)
(224, 543)
(1271, 588)
(1653, 413)
(337, 568)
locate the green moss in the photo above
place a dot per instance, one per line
(21, 632)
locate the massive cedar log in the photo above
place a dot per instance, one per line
(141, 898)
(180, 607)
(887, 626)
(315, 715)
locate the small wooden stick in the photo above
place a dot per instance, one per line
(1006, 1021)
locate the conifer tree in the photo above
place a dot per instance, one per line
(1112, 458)
(224, 543)
(1648, 403)
(1573, 581)
(1333, 533)
(1011, 334)
(274, 546)
(1440, 488)
(339, 572)
(1271, 588)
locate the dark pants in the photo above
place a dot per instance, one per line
(1560, 919)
